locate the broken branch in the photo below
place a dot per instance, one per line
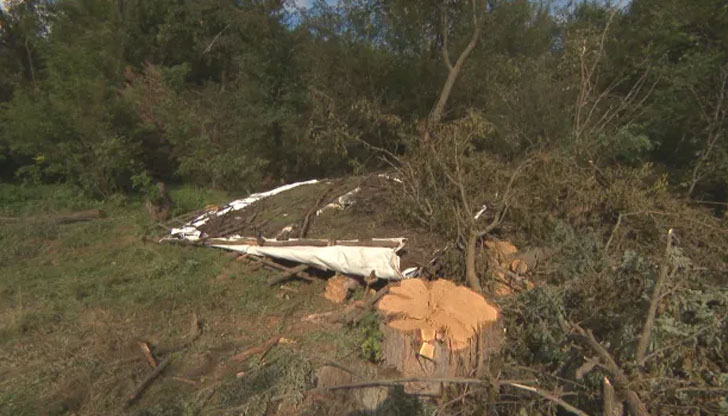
(621, 382)
(311, 212)
(354, 318)
(549, 396)
(258, 349)
(276, 266)
(656, 296)
(148, 381)
(289, 274)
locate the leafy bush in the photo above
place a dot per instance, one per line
(371, 344)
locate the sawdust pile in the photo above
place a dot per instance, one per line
(440, 310)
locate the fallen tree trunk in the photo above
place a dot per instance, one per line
(71, 218)
(436, 329)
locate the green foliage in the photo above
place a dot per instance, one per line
(371, 344)
(579, 124)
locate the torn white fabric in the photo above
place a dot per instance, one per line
(342, 202)
(390, 177)
(411, 272)
(346, 259)
(190, 232)
(480, 212)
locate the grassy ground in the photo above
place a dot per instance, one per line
(75, 300)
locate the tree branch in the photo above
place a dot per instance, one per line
(621, 382)
(656, 295)
(436, 114)
(445, 29)
(549, 396)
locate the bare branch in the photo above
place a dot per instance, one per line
(621, 382)
(445, 30)
(614, 231)
(400, 381)
(549, 396)
(714, 128)
(436, 114)
(656, 296)
(209, 47)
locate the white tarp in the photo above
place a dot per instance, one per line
(190, 232)
(348, 259)
(354, 260)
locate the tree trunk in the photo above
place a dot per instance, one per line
(436, 329)
(453, 70)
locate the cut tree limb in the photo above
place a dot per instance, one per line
(549, 396)
(611, 407)
(273, 265)
(621, 381)
(258, 349)
(401, 381)
(148, 380)
(656, 296)
(289, 274)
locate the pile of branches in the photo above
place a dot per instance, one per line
(630, 300)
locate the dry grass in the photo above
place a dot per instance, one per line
(76, 299)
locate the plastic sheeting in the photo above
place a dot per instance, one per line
(190, 232)
(354, 260)
(347, 259)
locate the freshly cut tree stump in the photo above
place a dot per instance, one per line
(436, 329)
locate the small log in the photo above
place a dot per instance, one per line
(258, 349)
(184, 380)
(288, 274)
(339, 287)
(275, 266)
(148, 380)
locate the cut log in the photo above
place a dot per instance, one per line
(436, 329)
(289, 274)
(339, 287)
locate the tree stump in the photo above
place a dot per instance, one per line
(436, 329)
